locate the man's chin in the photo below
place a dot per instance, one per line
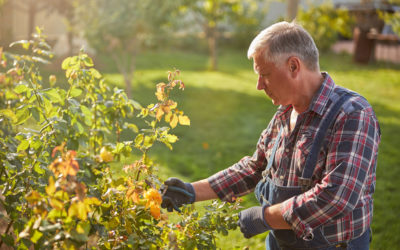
(274, 102)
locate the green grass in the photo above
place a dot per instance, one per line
(228, 114)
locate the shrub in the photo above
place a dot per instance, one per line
(56, 147)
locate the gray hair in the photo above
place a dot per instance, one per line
(281, 40)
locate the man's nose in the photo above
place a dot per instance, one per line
(260, 83)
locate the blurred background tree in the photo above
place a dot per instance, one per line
(66, 9)
(392, 18)
(31, 8)
(216, 16)
(325, 23)
(122, 29)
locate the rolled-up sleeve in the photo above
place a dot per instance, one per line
(349, 175)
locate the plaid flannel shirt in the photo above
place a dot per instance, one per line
(340, 200)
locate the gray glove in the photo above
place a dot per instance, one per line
(176, 193)
(252, 221)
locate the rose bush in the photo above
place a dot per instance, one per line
(56, 147)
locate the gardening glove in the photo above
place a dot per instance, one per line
(252, 221)
(176, 193)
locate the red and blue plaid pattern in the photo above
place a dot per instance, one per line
(340, 201)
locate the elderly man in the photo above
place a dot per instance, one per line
(313, 170)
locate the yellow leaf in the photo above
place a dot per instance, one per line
(33, 197)
(159, 114)
(56, 204)
(133, 195)
(171, 138)
(73, 210)
(174, 121)
(160, 91)
(105, 155)
(184, 120)
(79, 210)
(51, 187)
(128, 226)
(92, 201)
(168, 117)
(160, 96)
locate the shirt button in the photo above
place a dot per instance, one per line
(281, 177)
(287, 150)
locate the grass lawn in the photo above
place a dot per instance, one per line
(228, 114)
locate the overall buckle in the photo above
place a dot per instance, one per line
(305, 183)
(266, 173)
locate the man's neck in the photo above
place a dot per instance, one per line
(309, 86)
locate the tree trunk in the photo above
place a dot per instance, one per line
(127, 70)
(31, 18)
(128, 84)
(291, 11)
(70, 38)
(212, 47)
(6, 29)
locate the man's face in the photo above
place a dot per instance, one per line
(273, 80)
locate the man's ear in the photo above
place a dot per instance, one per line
(294, 65)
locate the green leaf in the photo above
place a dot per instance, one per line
(114, 222)
(10, 114)
(78, 126)
(38, 169)
(148, 141)
(73, 102)
(138, 140)
(24, 44)
(75, 92)
(21, 88)
(36, 236)
(53, 95)
(133, 127)
(87, 114)
(23, 145)
(135, 104)
(118, 148)
(36, 114)
(88, 61)
(22, 115)
(66, 63)
(55, 214)
(96, 74)
(8, 239)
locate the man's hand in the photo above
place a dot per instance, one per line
(252, 221)
(176, 193)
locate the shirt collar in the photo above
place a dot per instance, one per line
(322, 96)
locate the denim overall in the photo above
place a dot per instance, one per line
(267, 192)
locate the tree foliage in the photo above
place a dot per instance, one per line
(325, 23)
(123, 28)
(57, 146)
(392, 19)
(214, 15)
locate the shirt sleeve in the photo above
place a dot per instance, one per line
(242, 177)
(349, 175)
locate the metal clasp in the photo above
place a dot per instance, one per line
(305, 183)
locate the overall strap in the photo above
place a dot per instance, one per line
(271, 158)
(311, 161)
